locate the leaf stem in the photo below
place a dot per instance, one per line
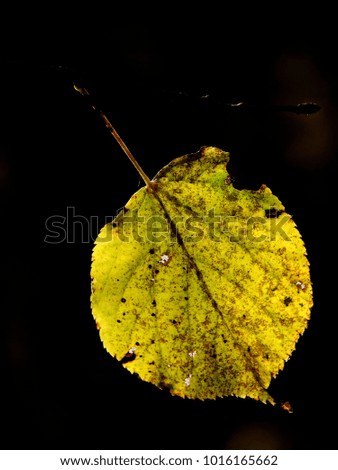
(112, 130)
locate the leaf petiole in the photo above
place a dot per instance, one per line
(150, 184)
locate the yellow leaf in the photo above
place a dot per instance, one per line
(199, 287)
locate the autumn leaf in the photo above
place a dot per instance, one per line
(199, 287)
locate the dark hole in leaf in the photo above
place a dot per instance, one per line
(118, 321)
(153, 315)
(137, 343)
(156, 271)
(153, 303)
(287, 301)
(123, 300)
(272, 213)
(128, 357)
(150, 266)
(224, 340)
(151, 251)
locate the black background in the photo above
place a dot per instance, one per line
(59, 388)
